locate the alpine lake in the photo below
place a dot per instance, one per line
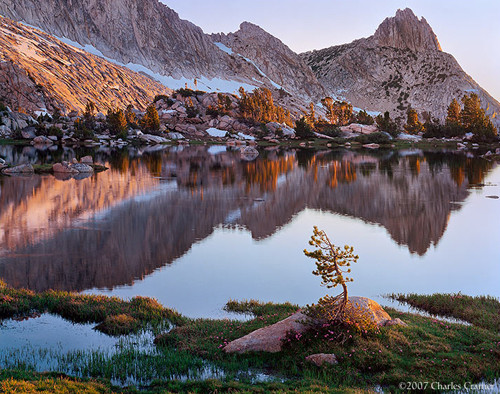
(196, 226)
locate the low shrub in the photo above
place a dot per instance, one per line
(373, 138)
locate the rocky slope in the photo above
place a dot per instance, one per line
(148, 34)
(40, 72)
(273, 58)
(144, 32)
(401, 65)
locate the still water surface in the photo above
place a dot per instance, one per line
(197, 226)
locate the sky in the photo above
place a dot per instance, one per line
(467, 29)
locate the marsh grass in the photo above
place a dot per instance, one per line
(482, 311)
(31, 382)
(257, 308)
(18, 381)
(425, 350)
(113, 315)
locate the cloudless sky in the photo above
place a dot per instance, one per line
(468, 29)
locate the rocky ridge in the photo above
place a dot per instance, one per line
(147, 33)
(40, 73)
(284, 68)
(399, 67)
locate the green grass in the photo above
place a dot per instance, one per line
(425, 350)
(113, 315)
(30, 382)
(13, 142)
(483, 311)
(257, 308)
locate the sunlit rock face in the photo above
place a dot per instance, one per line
(400, 66)
(150, 34)
(406, 31)
(121, 225)
(143, 32)
(38, 71)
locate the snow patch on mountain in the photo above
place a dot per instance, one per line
(210, 85)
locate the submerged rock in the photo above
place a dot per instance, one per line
(20, 169)
(249, 153)
(82, 168)
(42, 140)
(63, 168)
(87, 160)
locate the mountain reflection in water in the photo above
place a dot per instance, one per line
(151, 207)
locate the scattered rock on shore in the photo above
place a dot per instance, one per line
(268, 339)
(322, 358)
(20, 169)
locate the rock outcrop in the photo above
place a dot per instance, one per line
(406, 31)
(270, 338)
(39, 72)
(283, 67)
(399, 67)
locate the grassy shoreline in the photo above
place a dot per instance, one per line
(426, 350)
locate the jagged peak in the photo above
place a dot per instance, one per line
(251, 29)
(406, 31)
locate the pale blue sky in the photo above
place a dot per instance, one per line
(468, 29)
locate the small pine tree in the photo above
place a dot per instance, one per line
(473, 119)
(328, 105)
(363, 118)
(310, 116)
(332, 262)
(151, 120)
(413, 125)
(343, 112)
(385, 123)
(89, 114)
(303, 129)
(130, 116)
(117, 122)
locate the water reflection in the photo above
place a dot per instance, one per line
(152, 206)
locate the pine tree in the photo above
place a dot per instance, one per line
(472, 115)
(130, 115)
(89, 114)
(364, 118)
(343, 112)
(310, 116)
(413, 125)
(328, 104)
(332, 262)
(385, 123)
(151, 120)
(454, 110)
(117, 123)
